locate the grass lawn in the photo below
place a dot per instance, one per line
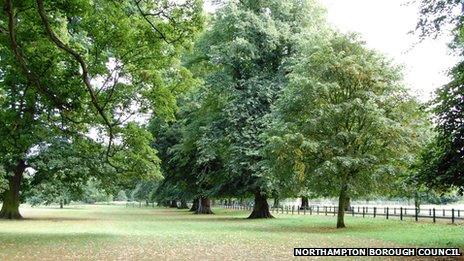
(116, 232)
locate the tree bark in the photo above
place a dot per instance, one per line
(261, 208)
(183, 204)
(342, 200)
(304, 203)
(11, 197)
(173, 204)
(204, 206)
(194, 205)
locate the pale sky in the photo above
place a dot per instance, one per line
(385, 25)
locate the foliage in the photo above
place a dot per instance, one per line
(76, 67)
(344, 124)
(245, 52)
(443, 161)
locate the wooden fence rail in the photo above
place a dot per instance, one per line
(401, 213)
(455, 215)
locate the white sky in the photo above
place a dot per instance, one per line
(385, 26)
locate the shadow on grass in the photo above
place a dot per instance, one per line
(44, 238)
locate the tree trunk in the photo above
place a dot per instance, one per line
(173, 204)
(10, 197)
(416, 200)
(348, 204)
(342, 200)
(304, 203)
(276, 202)
(183, 204)
(261, 208)
(61, 203)
(204, 206)
(194, 205)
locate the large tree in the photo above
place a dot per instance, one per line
(443, 161)
(75, 67)
(247, 46)
(345, 120)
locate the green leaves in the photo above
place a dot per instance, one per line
(341, 100)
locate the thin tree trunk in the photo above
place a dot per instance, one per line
(304, 203)
(61, 203)
(261, 208)
(11, 197)
(194, 207)
(416, 200)
(183, 204)
(204, 206)
(342, 204)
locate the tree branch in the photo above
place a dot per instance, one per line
(85, 72)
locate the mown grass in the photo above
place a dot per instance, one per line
(116, 232)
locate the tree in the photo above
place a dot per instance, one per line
(75, 66)
(346, 120)
(247, 48)
(443, 161)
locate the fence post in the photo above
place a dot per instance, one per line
(452, 215)
(325, 210)
(298, 210)
(417, 213)
(318, 210)
(375, 211)
(401, 213)
(433, 215)
(459, 213)
(387, 213)
(443, 212)
(293, 209)
(363, 211)
(394, 211)
(430, 212)
(352, 211)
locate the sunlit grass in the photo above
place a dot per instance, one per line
(112, 232)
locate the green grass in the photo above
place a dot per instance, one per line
(116, 232)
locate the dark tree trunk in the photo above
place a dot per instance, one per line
(204, 206)
(10, 197)
(183, 204)
(61, 203)
(261, 208)
(173, 204)
(194, 205)
(304, 203)
(342, 200)
(276, 202)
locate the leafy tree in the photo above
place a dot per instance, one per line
(74, 66)
(443, 161)
(347, 122)
(246, 50)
